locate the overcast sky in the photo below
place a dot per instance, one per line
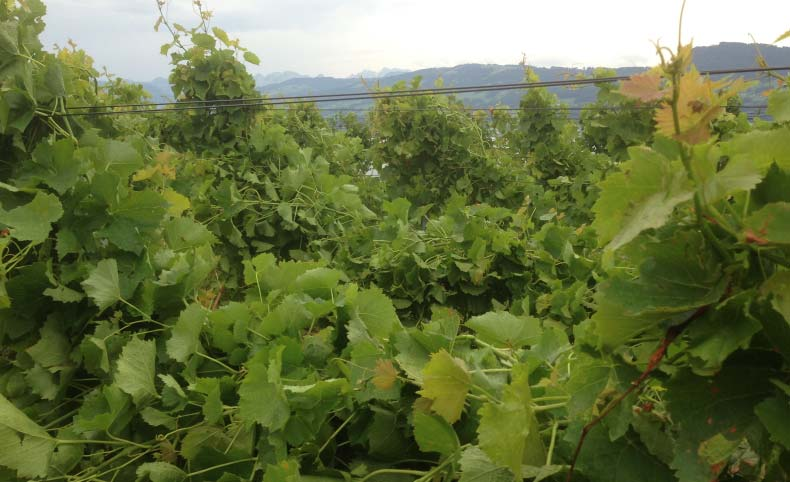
(343, 37)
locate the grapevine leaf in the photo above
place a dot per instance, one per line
(33, 221)
(143, 208)
(645, 87)
(412, 356)
(103, 285)
(161, 472)
(758, 149)
(212, 407)
(102, 409)
(641, 196)
(120, 158)
(64, 294)
(434, 434)
(376, 312)
(774, 413)
(158, 418)
(504, 428)
(52, 349)
(505, 330)
(768, 225)
(623, 460)
(252, 58)
(446, 381)
(477, 467)
(705, 410)
(589, 376)
(222, 35)
(58, 168)
(779, 105)
(184, 233)
(136, 370)
(185, 338)
(178, 203)
(261, 398)
(24, 446)
(777, 287)
(675, 276)
(318, 282)
(715, 336)
(203, 40)
(385, 375)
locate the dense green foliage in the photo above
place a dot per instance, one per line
(426, 294)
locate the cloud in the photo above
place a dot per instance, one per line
(341, 37)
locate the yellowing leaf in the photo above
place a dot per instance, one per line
(784, 36)
(645, 87)
(700, 101)
(385, 375)
(446, 381)
(178, 202)
(145, 173)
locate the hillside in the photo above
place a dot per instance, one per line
(721, 56)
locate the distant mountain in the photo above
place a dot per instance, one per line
(276, 77)
(372, 74)
(159, 88)
(725, 55)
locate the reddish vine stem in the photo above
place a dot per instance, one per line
(655, 359)
(218, 298)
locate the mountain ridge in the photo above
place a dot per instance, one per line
(725, 55)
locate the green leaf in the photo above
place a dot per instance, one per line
(318, 282)
(434, 434)
(676, 276)
(184, 233)
(782, 37)
(59, 169)
(52, 349)
(777, 288)
(509, 432)
(203, 40)
(221, 34)
(446, 381)
(720, 332)
(477, 467)
(120, 158)
(779, 105)
(704, 409)
(261, 398)
(212, 407)
(143, 208)
(33, 221)
(377, 313)
(103, 409)
(103, 285)
(160, 472)
(770, 224)
(504, 330)
(158, 418)
(641, 196)
(24, 446)
(136, 370)
(185, 338)
(774, 413)
(252, 58)
(503, 430)
(624, 460)
(64, 294)
(757, 150)
(589, 376)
